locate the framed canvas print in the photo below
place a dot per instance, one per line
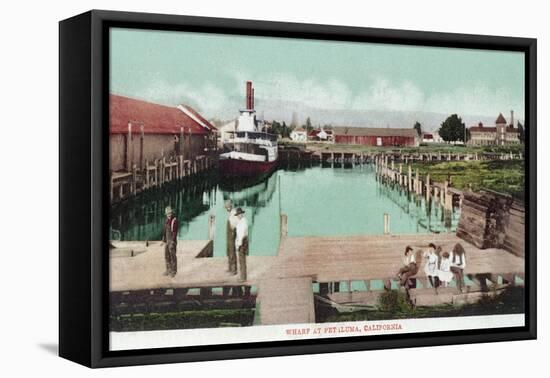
(234, 188)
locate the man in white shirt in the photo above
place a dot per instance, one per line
(241, 242)
(232, 221)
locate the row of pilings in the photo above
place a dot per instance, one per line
(401, 174)
(156, 174)
(349, 157)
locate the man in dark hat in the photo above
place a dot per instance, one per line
(241, 242)
(170, 237)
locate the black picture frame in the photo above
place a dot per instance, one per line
(84, 203)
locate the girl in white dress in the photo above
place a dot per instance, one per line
(432, 266)
(458, 264)
(445, 275)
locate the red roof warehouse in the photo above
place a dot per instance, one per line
(371, 136)
(155, 118)
(156, 130)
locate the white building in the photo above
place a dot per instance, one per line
(298, 135)
(499, 134)
(226, 131)
(432, 137)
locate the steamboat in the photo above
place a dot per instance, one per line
(249, 150)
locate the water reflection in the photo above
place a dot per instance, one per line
(319, 199)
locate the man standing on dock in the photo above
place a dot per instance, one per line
(232, 221)
(241, 242)
(170, 238)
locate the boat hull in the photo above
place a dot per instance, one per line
(245, 168)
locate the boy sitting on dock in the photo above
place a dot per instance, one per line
(409, 267)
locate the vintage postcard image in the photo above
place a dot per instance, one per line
(267, 189)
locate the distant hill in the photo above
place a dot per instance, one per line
(367, 118)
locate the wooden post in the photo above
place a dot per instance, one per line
(409, 179)
(163, 170)
(129, 148)
(284, 226)
(182, 141)
(147, 184)
(121, 190)
(417, 183)
(156, 177)
(444, 193)
(134, 179)
(211, 226)
(386, 224)
(448, 198)
(112, 189)
(428, 189)
(141, 141)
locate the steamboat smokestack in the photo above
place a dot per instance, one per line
(249, 96)
(512, 118)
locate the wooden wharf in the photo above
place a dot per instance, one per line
(284, 283)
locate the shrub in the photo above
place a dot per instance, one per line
(394, 301)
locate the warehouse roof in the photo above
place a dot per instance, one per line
(155, 118)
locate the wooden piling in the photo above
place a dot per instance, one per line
(418, 187)
(133, 186)
(129, 148)
(448, 197)
(141, 142)
(112, 187)
(386, 224)
(428, 188)
(284, 226)
(409, 179)
(211, 226)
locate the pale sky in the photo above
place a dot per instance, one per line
(208, 71)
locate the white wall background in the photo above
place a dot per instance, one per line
(29, 215)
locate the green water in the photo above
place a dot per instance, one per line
(317, 200)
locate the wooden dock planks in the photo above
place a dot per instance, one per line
(145, 270)
(286, 301)
(376, 257)
(284, 282)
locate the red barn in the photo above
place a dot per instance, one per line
(141, 131)
(371, 136)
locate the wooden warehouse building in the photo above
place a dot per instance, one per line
(371, 136)
(141, 131)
